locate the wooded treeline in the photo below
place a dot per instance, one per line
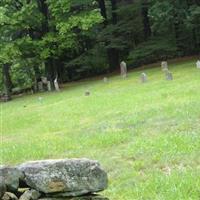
(74, 39)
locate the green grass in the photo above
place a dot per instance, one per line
(146, 136)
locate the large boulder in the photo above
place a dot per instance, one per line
(11, 177)
(64, 178)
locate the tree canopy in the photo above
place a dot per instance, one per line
(72, 39)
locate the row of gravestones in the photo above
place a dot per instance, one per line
(44, 84)
(64, 179)
(143, 77)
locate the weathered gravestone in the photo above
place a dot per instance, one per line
(40, 86)
(56, 85)
(164, 65)
(198, 64)
(143, 78)
(49, 86)
(87, 93)
(168, 75)
(123, 69)
(105, 79)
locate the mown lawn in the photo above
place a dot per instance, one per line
(146, 136)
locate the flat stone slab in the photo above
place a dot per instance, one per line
(63, 178)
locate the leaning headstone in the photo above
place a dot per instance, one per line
(65, 178)
(143, 78)
(56, 85)
(44, 80)
(123, 69)
(168, 75)
(164, 65)
(11, 177)
(30, 195)
(40, 86)
(198, 64)
(49, 86)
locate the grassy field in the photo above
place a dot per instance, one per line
(146, 136)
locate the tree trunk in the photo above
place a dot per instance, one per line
(146, 22)
(102, 7)
(7, 82)
(113, 53)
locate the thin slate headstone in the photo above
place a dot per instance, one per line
(143, 78)
(168, 75)
(123, 69)
(164, 65)
(49, 86)
(40, 86)
(56, 85)
(198, 64)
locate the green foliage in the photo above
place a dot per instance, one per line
(151, 51)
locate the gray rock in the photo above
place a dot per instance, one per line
(30, 195)
(68, 177)
(11, 177)
(9, 196)
(2, 187)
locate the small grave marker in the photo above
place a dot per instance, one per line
(143, 78)
(168, 75)
(198, 64)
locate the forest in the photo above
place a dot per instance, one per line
(69, 40)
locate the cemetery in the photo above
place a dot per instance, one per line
(99, 100)
(143, 135)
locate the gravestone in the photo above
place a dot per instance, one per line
(198, 64)
(143, 78)
(56, 85)
(105, 79)
(87, 93)
(40, 86)
(123, 69)
(49, 86)
(44, 80)
(168, 75)
(164, 65)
